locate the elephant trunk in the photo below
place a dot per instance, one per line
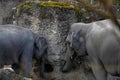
(67, 67)
(68, 63)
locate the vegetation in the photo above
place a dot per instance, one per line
(61, 5)
(64, 5)
(57, 4)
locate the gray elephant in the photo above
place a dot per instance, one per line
(99, 40)
(19, 46)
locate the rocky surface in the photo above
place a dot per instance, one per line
(6, 9)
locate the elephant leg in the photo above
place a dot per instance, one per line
(98, 71)
(96, 65)
(42, 67)
(26, 68)
(26, 60)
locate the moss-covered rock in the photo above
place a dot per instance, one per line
(61, 5)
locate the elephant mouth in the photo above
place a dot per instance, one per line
(75, 58)
(79, 59)
(72, 65)
(64, 69)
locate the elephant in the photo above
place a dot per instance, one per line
(100, 40)
(19, 46)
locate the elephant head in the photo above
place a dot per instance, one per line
(40, 47)
(75, 47)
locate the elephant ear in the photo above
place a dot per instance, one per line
(81, 36)
(79, 43)
(40, 45)
(75, 40)
(82, 40)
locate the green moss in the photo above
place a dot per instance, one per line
(27, 6)
(56, 4)
(61, 5)
(23, 5)
(79, 14)
(64, 5)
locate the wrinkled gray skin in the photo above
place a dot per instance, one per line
(101, 41)
(18, 46)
